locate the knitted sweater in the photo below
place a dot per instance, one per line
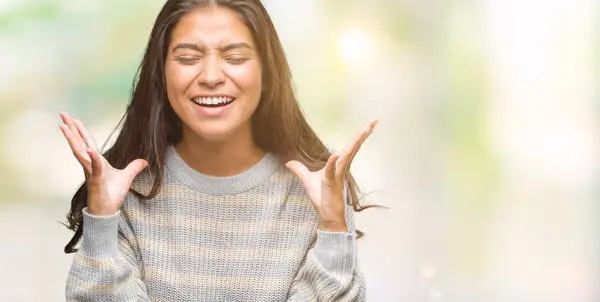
(248, 237)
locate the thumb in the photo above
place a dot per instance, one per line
(297, 168)
(135, 167)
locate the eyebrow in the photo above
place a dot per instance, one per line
(225, 48)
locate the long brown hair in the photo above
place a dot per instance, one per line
(149, 124)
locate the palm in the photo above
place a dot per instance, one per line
(112, 186)
(107, 186)
(326, 187)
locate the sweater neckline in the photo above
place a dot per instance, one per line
(221, 185)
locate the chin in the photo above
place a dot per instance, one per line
(214, 136)
(215, 133)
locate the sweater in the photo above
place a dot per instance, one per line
(249, 237)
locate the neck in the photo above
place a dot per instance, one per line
(229, 157)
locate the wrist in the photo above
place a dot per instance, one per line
(99, 211)
(335, 227)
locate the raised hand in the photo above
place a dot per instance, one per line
(106, 186)
(326, 187)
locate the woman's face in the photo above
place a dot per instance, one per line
(213, 73)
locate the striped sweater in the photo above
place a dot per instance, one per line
(248, 237)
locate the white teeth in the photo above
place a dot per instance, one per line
(212, 100)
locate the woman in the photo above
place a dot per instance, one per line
(240, 200)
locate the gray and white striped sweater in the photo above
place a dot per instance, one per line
(249, 237)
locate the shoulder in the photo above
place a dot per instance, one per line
(283, 177)
(141, 185)
(286, 187)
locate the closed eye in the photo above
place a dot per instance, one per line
(236, 60)
(186, 61)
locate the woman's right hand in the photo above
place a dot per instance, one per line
(106, 186)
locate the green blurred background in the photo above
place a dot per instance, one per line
(486, 152)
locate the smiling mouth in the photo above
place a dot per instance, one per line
(213, 102)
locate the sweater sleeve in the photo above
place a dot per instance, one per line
(330, 270)
(106, 267)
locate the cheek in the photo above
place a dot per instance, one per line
(248, 80)
(178, 79)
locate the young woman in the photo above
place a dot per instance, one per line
(216, 188)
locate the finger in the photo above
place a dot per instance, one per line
(89, 140)
(96, 162)
(345, 165)
(330, 166)
(371, 128)
(298, 168)
(83, 158)
(348, 153)
(69, 122)
(135, 167)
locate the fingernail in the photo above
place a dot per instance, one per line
(373, 126)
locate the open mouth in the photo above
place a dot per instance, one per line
(213, 102)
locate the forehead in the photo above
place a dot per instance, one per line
(211, 27)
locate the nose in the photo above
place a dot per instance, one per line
(211, 74)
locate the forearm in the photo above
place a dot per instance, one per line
(330, 272)
(100, 270)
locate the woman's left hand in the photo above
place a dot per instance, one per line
(326, 186)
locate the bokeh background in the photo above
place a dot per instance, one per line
(487, 152)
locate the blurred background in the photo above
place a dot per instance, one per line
(487, 152)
